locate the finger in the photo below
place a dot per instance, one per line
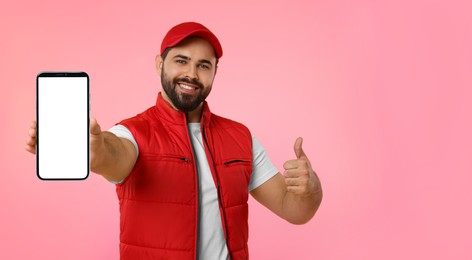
(94, 127)
(32, 132)
(298, 148)
(293, 173)
(297, 164)
(295, 181)
(31, 149)
(31, 141)
(291, 164)
(298, 172)
(296, 189)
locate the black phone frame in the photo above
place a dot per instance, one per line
(62, 74)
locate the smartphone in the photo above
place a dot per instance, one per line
(62, 116)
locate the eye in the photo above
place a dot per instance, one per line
(204, 66)
(181, 61)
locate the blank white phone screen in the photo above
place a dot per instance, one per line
(62, 127)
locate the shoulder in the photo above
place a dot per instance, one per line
(225, 123)
(141, 122)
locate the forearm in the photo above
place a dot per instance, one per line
(112, 158)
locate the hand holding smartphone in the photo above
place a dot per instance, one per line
(62, 116)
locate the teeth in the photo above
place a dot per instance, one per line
(185, 87)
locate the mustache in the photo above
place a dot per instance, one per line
(189, 81)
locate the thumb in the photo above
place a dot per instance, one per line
(298, 148)
(94, 127)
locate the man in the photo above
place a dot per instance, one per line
(183, 174)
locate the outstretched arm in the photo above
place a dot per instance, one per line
(296, 195)
(110, 156)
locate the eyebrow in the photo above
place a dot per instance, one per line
(188, 58)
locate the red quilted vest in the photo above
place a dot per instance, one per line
(159, 199)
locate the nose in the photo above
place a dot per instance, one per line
(191, 72)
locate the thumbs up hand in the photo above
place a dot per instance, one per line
(299, 176)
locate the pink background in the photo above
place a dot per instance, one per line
(380, 91)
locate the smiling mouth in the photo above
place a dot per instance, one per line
(187, 87)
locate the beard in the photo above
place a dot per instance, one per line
(183, 101)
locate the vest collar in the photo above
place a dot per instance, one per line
(168, 113)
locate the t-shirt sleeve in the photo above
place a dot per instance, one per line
(262, 167)
(122, 131)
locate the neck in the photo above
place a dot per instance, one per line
(193, 116)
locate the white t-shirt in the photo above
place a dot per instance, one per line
(212, 244)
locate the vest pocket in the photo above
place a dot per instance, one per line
(234, 175)
(237, 170)
(158, 178)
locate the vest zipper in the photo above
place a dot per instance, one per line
(218, 190)
(167, 157)
(185, 159)
(234, 161)
(197, 186)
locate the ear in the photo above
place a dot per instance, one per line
(159, 64)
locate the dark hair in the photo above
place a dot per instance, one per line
(164, 54)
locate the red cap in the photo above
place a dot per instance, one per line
(185, 30)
